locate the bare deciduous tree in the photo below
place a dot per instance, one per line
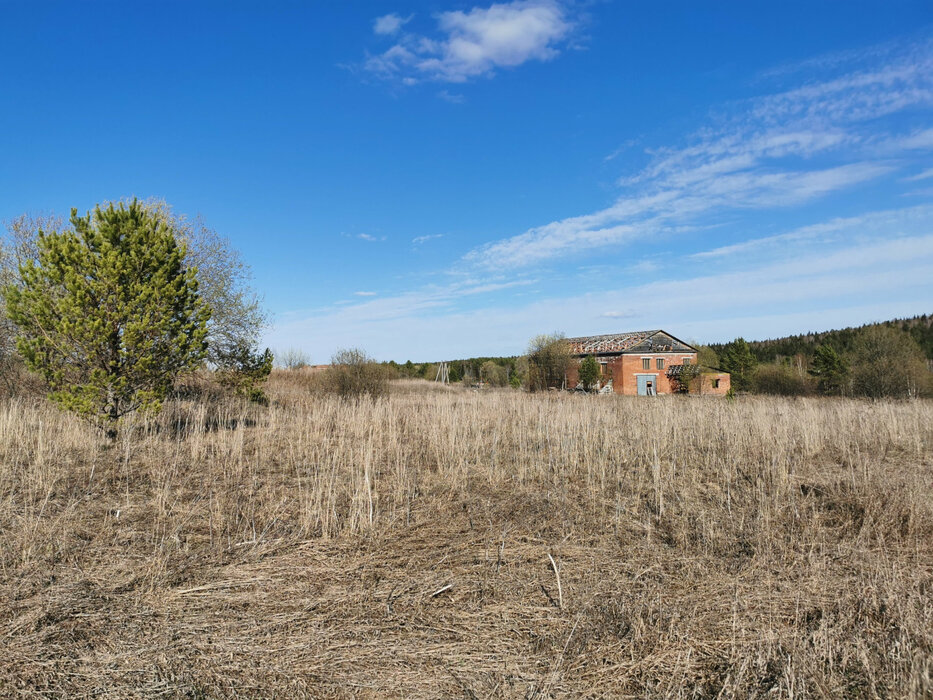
(548, 360)
(293, 358)
(237, 315)
(887, 362)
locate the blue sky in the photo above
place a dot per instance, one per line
(437, 180)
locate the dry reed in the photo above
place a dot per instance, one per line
(438, 543)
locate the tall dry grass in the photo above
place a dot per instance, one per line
(439, 542)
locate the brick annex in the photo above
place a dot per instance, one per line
(644, 363)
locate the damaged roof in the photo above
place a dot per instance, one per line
(675, 371)
(633, 341)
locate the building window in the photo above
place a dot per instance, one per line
(686, 360)
(715, 383)
(646, 363)
(660, 363)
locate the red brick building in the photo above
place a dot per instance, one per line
(644, 363)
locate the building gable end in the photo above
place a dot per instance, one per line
(660, 342)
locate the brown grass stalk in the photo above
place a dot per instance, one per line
(764, 547)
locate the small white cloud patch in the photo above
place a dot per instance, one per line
(453, 98)
(629, 313)
(389, 24)
(474, 43)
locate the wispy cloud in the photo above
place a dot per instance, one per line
(620, 150)
(364, 294)
(880, 224)
(473, 44)
(390, 24)
(777, 150)
(669, 210)
(919, 140)
(452, 97)
(785, 150)
(364, 237)
(418, 240)
(923, 175)
(628, 313)
(835, 59)
(768, 298)
(645, 267)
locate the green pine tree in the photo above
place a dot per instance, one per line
(589, 372)
(739, 361)
(245, 371)
(108, 314)
(830, 369)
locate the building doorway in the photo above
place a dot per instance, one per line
(647, 384)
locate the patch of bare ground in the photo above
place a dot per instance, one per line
(447, 543)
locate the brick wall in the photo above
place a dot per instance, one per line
(624, 370)
(712, 384)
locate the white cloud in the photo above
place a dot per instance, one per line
(364, 294)
(923, 175)
(620, 150)
(475, 43)
(364, 237)
(669, 211)
(893, 223)
(389, 24)
(920, 140)
(630, 313)
(452, 97)
(878, 280)
(418, 240)
(835, 59)
(777, 150)
(645, 267)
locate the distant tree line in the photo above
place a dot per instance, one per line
(890, 359)
(497, 371)
(542, 367)
(876, 360)
(919, 328)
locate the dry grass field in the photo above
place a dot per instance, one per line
(451, 543)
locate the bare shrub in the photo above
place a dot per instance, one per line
(782, 380)
(293, 358)
(17, 381)
(353, 374)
